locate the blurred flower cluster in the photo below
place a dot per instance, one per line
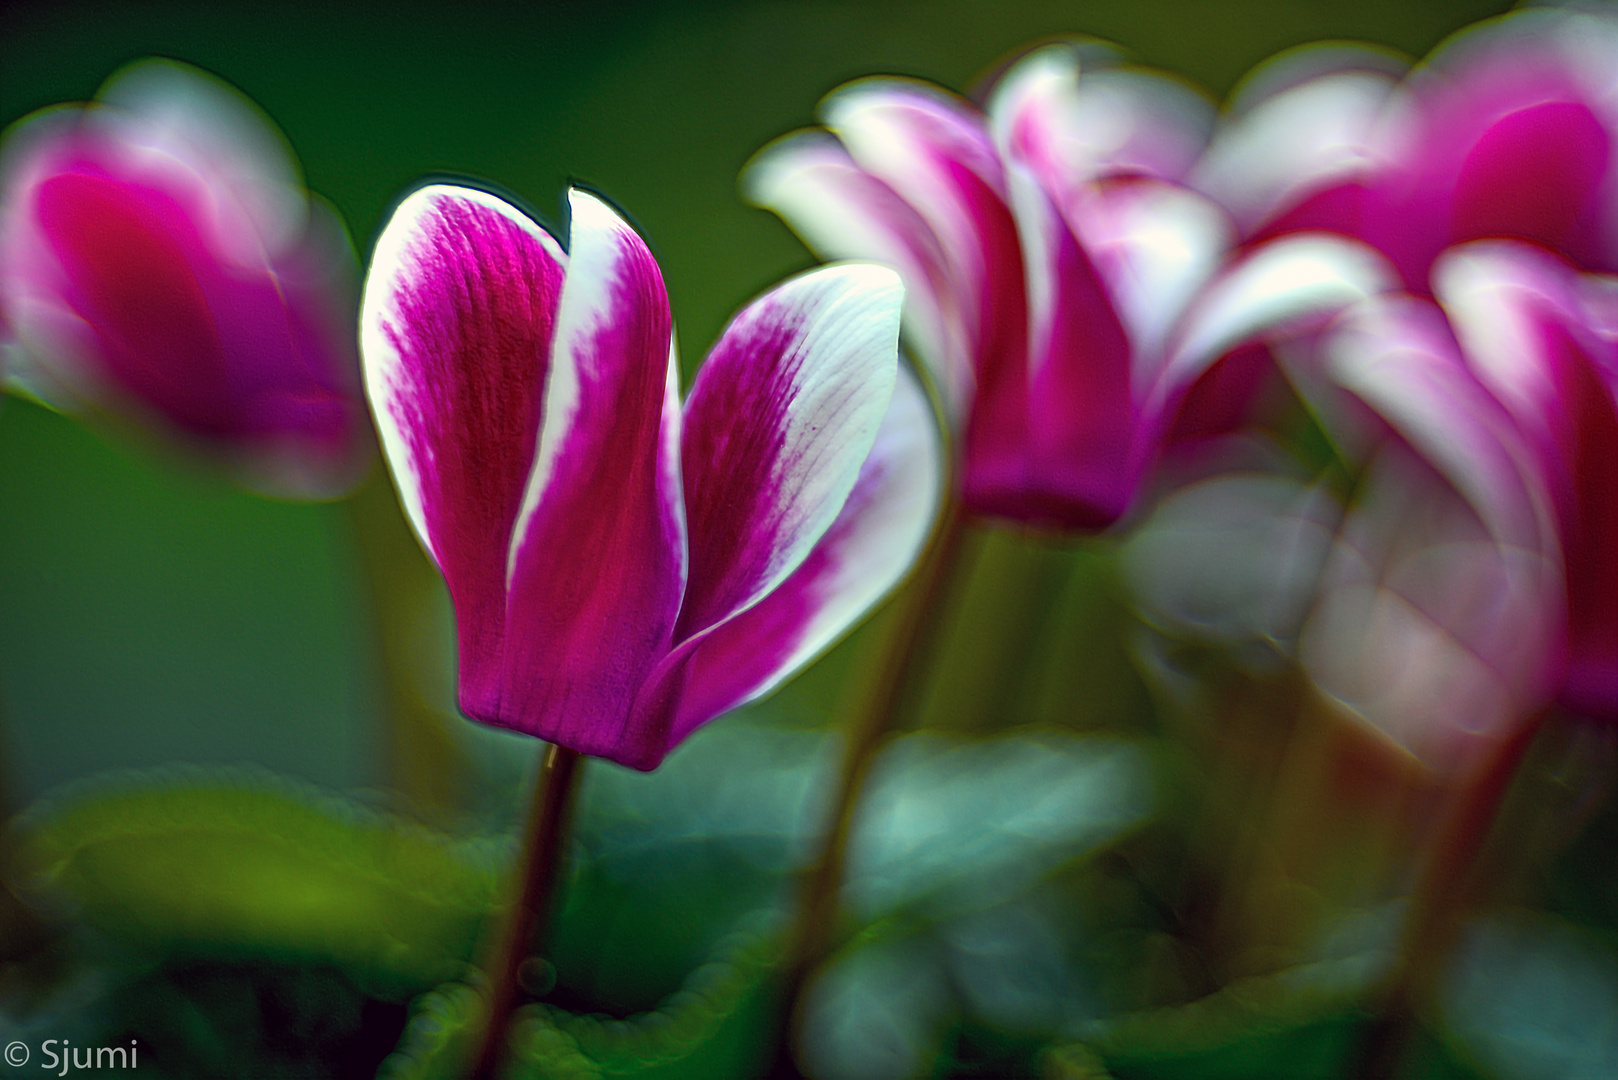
(1104, 277)
(1315, 394)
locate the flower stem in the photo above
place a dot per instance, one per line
(21, 931)
(425, 764)
(537, 886)
(914, 639)
(1447, 886)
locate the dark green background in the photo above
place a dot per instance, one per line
(151, 613)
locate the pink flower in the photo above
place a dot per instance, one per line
(1467, 581)
(1440, 613)
(1063, 289)
(625, 568)
(1423, 591)
(1508, 130)
(160, 257)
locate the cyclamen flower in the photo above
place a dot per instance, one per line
(1469, 582)
(1508, 130)
(1428, 603)
(623, 568)
(1063, 289)
(160, 257)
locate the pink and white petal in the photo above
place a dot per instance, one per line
(255, 201)
(935, 152)
(456, 323)
(842, 212)
(1311, 137)
(597, 557)
(1288, 285)
(777, 425)
(1074, 122)
(875, 539)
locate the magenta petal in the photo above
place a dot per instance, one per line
(597, 560)
(1535, 173)
(780, 419)
(132, 261)
(862, 556)
(1079, 423)
(1510, 132)
(1589, 540)
(456, 328)
(251, 361)
(159, 257)
(249, 195)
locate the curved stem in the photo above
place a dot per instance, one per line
(21, 931)
(540, 876)
(1446, 887)
(424, 761)
(913, 641)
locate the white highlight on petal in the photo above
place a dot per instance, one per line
(1285, 284)
(1301, 140)
(841, 212)
(165, 109)
(393, 264)
(1156, 245)
(1090, 121)
(1496, 293)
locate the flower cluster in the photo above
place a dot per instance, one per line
(1067, 289)
(1098, 269)
(1094, 269)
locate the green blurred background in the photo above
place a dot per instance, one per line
(150, 612)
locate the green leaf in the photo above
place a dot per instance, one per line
(1535, 999)
(953, 824)
(1306, 1023)
(714, 1026)
(236, 864)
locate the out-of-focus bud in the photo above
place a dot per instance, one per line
(1508, 130)
(160, 258)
